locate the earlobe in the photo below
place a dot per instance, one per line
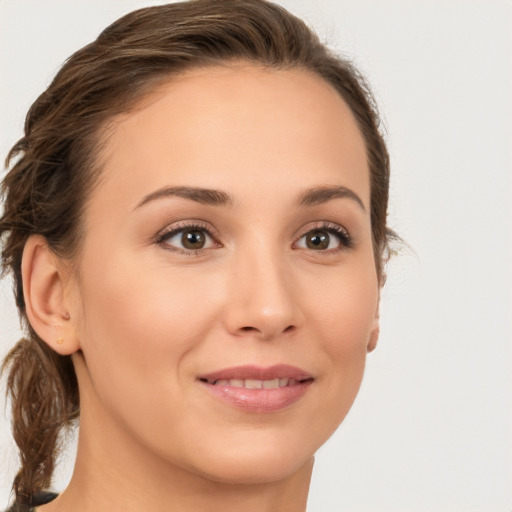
(374, 333)
(44, 283)
(374, 337)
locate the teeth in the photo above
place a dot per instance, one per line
(257, 384)
(271, 384)
(253, 384)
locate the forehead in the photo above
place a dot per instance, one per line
(237, 127)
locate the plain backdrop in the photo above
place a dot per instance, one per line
(432, 427)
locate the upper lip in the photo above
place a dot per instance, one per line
(257, 373)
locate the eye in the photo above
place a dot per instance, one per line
(187, 238)
(326, 237)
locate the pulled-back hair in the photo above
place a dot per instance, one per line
(53, 167)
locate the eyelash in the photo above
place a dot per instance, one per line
(345, 240)
(175, 229)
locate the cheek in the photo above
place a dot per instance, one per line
(346, 318)
(136, 299)
(139, 326)
(346, 309)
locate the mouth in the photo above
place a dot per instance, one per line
(256, 389)
(279, 382)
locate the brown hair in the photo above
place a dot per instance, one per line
(52, 167)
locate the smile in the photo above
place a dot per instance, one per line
(255, 389)
(256, 384)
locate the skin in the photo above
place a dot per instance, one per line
(146, 318)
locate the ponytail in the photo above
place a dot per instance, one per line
(43, 390)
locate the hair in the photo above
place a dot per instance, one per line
(52, 168)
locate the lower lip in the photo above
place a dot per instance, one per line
(259, 400)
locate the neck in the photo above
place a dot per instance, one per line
(114, 472)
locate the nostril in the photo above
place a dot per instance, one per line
(248, 329)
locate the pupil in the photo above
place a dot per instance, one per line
(318, 240)
(193, 239)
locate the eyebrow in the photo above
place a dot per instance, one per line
(311, 197)
(200, 195)
(319, 195)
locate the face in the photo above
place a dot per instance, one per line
(227, 287)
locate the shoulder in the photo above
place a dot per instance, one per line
(39, 499)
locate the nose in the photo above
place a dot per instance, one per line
(263, 300)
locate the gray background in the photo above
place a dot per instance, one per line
(432, 427)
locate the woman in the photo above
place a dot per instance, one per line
(195, 221)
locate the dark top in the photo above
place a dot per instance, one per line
(40, 498)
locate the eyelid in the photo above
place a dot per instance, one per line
(340, 231)
(345, 239)
(190, 224)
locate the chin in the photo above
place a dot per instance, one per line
(254, 472)
(257, 463)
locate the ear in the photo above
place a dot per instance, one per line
(48, 306)
(374, 333)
